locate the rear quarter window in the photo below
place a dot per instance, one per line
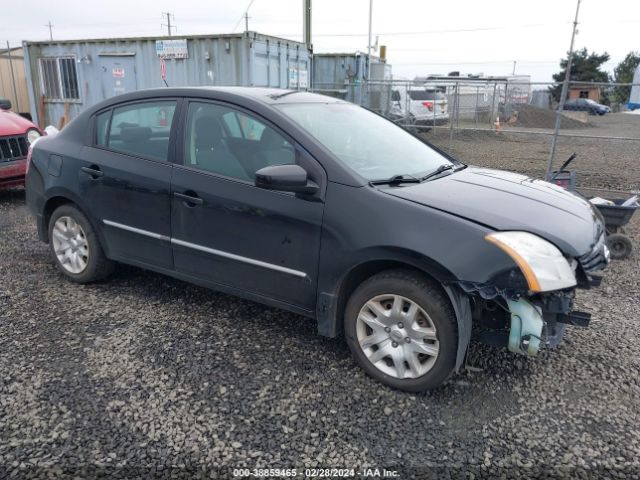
(102, 124)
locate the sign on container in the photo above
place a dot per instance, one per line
(172, 48)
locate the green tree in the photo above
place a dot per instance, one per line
(623, 73)
(585, 67)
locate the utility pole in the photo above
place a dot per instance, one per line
(306, 24)
(245, 15)
(168, 24)
(369, 44)
(50, 25)
(563, 96)
(514, 68)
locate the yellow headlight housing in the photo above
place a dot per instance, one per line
(542, 264)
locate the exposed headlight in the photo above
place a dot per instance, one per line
(33, 135)
(541, 263)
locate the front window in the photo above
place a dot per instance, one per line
(228, 142)
(370, 145)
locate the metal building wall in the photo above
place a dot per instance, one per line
(343, 75)
(246, 59)
(12, 74)
(338, 69)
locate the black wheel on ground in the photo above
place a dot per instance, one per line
(402, 330)
(620, 246)
(75, 247)
(410, 124)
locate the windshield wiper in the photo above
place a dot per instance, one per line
(396, 180)
(438, 171)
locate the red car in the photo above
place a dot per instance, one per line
(16, 134)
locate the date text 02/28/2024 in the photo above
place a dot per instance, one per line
(315, 473)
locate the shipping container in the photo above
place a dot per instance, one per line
(344, 75)
(68, 76)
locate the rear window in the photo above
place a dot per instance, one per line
(142, 129)
(425, 95)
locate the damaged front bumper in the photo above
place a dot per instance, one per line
(526, 321)
(532, 328)
(523, 324)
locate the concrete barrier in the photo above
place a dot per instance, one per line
(579, 116)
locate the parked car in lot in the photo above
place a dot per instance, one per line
(419, 105)
(16, 134)
(323, 208)
(586, 105)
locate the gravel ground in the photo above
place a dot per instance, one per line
(144, 376)
(600, 164)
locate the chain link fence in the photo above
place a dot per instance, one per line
(510, 125)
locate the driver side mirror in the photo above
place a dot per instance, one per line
(285, 178)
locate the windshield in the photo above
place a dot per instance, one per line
(425, 95)
(367, 143)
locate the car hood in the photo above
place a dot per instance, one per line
(508, 201)
(13, 124)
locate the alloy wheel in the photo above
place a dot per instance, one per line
(397, 336)
(70, 245)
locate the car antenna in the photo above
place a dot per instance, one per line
(280, 95)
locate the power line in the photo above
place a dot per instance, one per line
(458, 30)
(437, 32)
(476, 62)
(244, 16)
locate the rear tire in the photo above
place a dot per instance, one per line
(75, 247)
(402, 330)
(620, 246)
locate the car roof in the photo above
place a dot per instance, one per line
(264, 95)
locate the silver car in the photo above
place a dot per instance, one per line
(420, 105)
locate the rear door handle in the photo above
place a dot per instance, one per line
(190, 199)
(93, 171)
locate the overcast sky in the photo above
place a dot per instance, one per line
(422, 36)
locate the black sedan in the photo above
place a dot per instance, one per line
(586, 105)
(323, 208)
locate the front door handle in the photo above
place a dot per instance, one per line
(93, 171)
(190, 198)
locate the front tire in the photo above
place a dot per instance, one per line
(75, 247)
(402, 330)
